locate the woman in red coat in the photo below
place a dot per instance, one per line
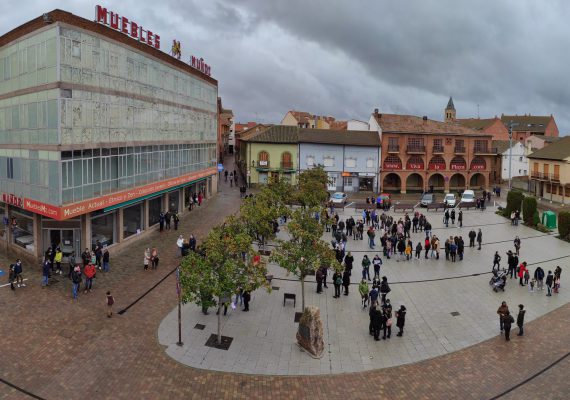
(522, 270)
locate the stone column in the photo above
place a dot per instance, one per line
(446, 180)
(145, 215)
(86, 233)
(403, 182)
(165, 204)
(38, 245)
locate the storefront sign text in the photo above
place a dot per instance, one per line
(458, 167)
(200, 65)
(122, 24)
(477, 167)
(436, 167)
(12, 200)
(73, 210)
(412, 165)
(392, 165)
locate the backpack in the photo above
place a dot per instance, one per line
(338, 280)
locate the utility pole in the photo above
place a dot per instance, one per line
(510, 150)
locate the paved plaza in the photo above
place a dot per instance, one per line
(432, 290)
(54, 348)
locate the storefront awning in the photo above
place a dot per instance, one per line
(148, 196)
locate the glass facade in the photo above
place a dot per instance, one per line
(103, 228)
(133, 220)
(154, 210)
(23, 231)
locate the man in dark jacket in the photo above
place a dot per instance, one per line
(346, 281)
(384, 289)
(539, 276)
(472, 236)
(479, 238)
(520, 319)
(460, 218)
(512, 263)
(502, 311)
(507, 322)
(401, 320)
(376, 321)
(549, 283)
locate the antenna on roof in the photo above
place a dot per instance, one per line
(478, 111)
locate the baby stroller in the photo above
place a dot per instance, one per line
(498, 280)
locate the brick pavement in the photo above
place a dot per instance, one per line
(57, 348)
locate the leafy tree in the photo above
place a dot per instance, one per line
(225, 266)
(514, 200)
(304, 252)
(529, 208)
(312, 190)
(564, 224)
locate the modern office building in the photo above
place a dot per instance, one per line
(100, 131)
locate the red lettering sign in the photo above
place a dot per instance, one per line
(122, 24)
(412, 165)
(12, 200)
(392, 165)
(436, 167)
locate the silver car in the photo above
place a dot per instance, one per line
(339, 198)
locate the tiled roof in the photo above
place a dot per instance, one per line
(476, 123)
(501, 145)
(548, 139)
(339, 137)
(271, 134)
(339, 125)
(396, 123)
(535, 123)
(558, 151)
(301, 116)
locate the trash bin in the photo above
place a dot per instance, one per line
(549, 219)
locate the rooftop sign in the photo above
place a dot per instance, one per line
(130, 28)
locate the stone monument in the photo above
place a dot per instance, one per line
(310, 333)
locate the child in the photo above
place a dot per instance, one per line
(110, 302)
(526, 277)
(409, 251)
(556, 284)
(531, 285)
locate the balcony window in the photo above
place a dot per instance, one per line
(310, 160)
(328, 161)
(350, 162)
(263, 158)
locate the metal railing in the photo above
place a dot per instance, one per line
(416, 149)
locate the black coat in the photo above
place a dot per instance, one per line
(401, 318)
(376, 318)
(346, 278)
(520, 317)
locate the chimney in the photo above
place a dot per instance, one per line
(376, 112)
(425, 118)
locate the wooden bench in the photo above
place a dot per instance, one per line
(468, 205)
(436, 206)
(290, 296)
(404, 206)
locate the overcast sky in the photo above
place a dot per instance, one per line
(345, 58)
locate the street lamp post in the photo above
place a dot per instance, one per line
(510, 150)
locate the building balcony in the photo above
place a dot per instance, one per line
(545, 176)
(459, 150)
(437, 150)
(485, 150)
(393, 148)
(416, 149)
(287, 165)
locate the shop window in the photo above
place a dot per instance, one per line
(310, 161)
(132, 220)
(350, 162)
(10, 168)
(154, 210)
(328, 161)
(348, 182)
(103, 228)
(5, 221)
(370, 163)
(22, 230)
(173, 201)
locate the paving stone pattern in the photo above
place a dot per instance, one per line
(57, 348)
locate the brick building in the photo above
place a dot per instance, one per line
(419, 154)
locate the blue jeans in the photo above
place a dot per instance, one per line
(106, 266)
(45, 280)
(88, 283)
(75, 287)
(371, 243)
(366, 273)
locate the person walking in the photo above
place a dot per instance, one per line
(146, 259)
(539, 276)
(376, 321)
(46, 268)
(179, 243)
(520, 320)
(512, 263)
(106, 257)
(363, 289)
(384, 290)
(11, 276)
(517, 243)
(319, 279)
(377, 263)
(76, 281)
(176, 220)
(549, 283)
(346, 281)
(502, 311)
(521, 272)
(472, 236)
(418, 250)
(366, 268)
(507, 323)
(18, 274)
(460, 218)
(452, 215)
(246, 299)
(337, 282)
(167, 219)
(427, 246)
(497, 261)
(89, 272)
(371, 236)
(479, 238)
(401, 320)
(387, 319)
(110, 300)
(154, 258)
(71, 261)
(161, 221)
(58, 257)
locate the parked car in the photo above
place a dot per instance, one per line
(427, 198)
(339, 198)
(468, 196)
(449, 200)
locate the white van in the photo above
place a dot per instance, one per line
(468, 196)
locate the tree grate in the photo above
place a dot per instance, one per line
(199, 326)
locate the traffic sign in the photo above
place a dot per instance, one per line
(220, 167)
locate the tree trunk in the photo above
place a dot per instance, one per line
(303, 292)
(219, 322)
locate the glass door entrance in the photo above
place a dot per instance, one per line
(68, 240)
